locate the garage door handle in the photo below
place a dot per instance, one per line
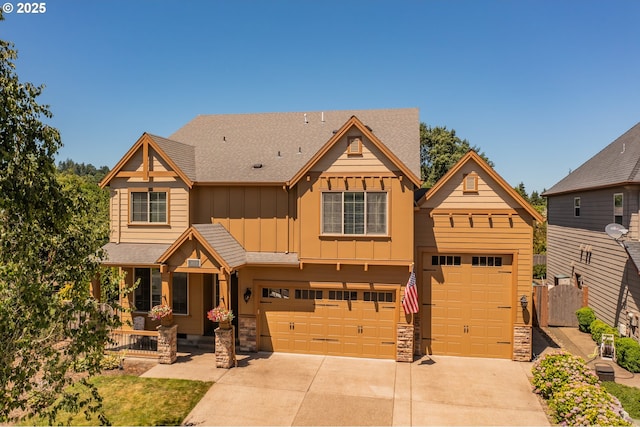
(504, 306)
(503, 342)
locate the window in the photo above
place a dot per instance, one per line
(354, 212)
(618, 205)
(149, 206)
(470, 183)
(486, 261)
(343, 295)
(354, 145)
(275, 293)
(180, 293)
(576, 206)
(149, 290)
(380, 296)
(308, 294)
(445, 260)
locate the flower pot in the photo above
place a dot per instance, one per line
(225, 324)
(166, 320)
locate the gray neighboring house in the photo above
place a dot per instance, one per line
(604, 190)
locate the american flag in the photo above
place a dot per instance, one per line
(410, 299)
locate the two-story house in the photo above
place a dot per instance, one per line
(305, 224)
(603, 190)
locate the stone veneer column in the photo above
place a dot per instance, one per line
(167, 344)
(247, 333)
(225, 348)
(522, 343)
(404, 343)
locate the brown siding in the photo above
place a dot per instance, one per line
(479, 235)
(396, 246)
(123, 232)
(611, 277)
(255, 216)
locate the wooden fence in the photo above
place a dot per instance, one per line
(557, 306)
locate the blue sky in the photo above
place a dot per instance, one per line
(540, 86)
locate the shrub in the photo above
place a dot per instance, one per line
(539, 271)
(628, 354)
(585, 405)
(555, 370)
(585, 316)
(598, 327)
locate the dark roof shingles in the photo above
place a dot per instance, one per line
(617, 163)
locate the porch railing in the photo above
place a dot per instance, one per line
(134, 342)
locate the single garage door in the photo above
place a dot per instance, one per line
(341, 322)
(467, 305)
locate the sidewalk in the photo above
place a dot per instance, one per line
(581, 344)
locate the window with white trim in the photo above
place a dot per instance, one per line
(576, 206)
(149, 290)
(180, 293)
(618, 208)
(149, 206)
(354, 212)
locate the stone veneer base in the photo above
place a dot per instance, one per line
(225, 348)
(167, 344)
(404, 343)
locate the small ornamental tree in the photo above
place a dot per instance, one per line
(49, 254)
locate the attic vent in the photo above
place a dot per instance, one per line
(193, 263)
(305, 118)
(279, 155)
(335, 131)
(299, 150)
(257, 165)
(224, 138)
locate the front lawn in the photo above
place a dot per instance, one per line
(629, 397)
(137, 401)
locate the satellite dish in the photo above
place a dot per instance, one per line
(615, 231)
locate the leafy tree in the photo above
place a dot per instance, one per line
(94, 174)
(440, 149)
(49, 254)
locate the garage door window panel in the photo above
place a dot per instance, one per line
(276, 293)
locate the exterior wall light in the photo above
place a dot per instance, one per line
(524, 302)
(247, 295)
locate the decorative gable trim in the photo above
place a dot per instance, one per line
(473, 156)
(190, 234)
(365, 132)
(144, 143)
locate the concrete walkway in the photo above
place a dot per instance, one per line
(295, 390)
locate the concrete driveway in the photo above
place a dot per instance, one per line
(297, 390)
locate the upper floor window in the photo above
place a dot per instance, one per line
(618, 204)
(576, 206)
(149, 206)
(354, 212)
(149, 290)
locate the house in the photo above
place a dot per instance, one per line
(603, 190)
(474, 250)
(303, 224)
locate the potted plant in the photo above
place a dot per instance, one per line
(222, 315)
(163, 313)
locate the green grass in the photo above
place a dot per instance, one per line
(629, 397)
(136, 401)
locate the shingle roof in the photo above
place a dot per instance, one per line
(633, 250)
(133, 253)
(617, 163)
(223, 243)
(183, 155)
(227, 146)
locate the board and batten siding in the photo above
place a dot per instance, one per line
(257, 217)
(178, 212)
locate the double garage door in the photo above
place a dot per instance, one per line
(342, 322)
(467, 305)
